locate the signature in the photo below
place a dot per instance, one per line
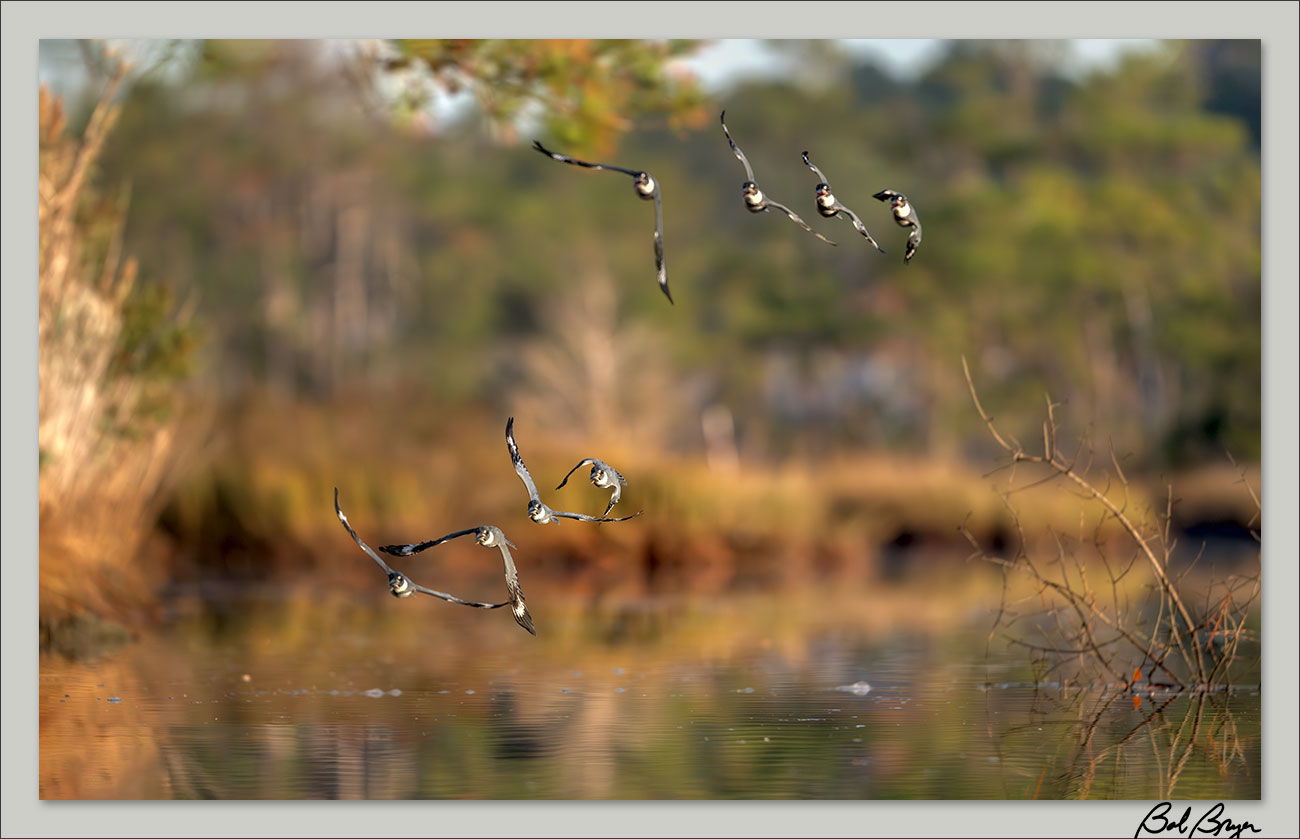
(1211, 823)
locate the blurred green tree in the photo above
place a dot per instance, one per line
(587, 92)
(1095, 237)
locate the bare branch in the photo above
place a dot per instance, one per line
(1082, 603)
(987, 419)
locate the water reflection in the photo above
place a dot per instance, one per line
(713, 700)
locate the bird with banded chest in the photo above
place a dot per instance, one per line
(755, 200)
(647, 189)
(904, 216)
(603, 476)
(829, 207)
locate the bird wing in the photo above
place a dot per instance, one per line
(518, 461)
(585, 517)
(913, 239)
(517, 605)
(795, 218)
(586, 461)
(659, 246)
(888, 194)
(749, 171)
(355, 538)
(407, 550)
(451, 598)
(576, 162)
(857, 222)
(615, 495)
(813, 167)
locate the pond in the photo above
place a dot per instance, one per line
(836, 694)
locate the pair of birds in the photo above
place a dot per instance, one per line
(486, 535)
(602, 476)
(647, 188)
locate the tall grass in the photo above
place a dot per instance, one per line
(108, 352)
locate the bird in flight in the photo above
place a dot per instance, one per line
(489, 537)
(904, 216)
(755, 200)
(828, 206)
(603, 476)
(646, 189)
(399, 585)
(537, 511)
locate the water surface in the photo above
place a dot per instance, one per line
(761, 697)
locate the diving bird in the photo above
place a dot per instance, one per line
(399, 585)
(755, 200)
(603, 476)
(904, 216)
(828, 206)
(537, 511)
(489, 537)
(646, 189)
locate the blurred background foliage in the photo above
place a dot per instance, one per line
(381, 270)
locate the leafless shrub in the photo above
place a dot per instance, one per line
(593, 372)
(1144, 623)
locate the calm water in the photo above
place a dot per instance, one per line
(750, 697)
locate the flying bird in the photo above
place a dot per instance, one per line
(399, 585)
(646, 189)
(828, 206)
(755, 200)
(603, 476)
(904, 216)
(537, 511)
(489, 537)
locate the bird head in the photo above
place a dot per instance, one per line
(399, 586)
(537, 512)
(645, 185)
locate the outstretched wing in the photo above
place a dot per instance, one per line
(355, 538)
(659, 247)
(407, 550)
(888, 195)
(586, 461)
(576, 162)
(517, 606)
(585, 517)
(813, 167)
(749, 171)
(857, 222)
(794, 217)
(520, 468)
(451, 598)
